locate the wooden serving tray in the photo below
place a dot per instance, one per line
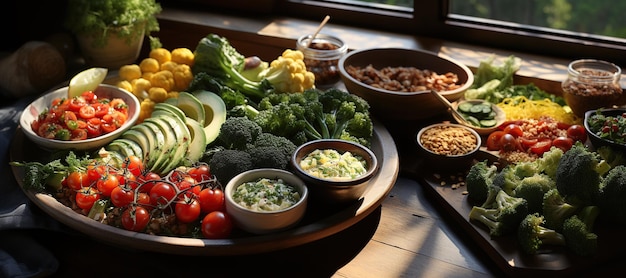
(318, 223)
(504, 251)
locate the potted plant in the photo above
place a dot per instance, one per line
(110, 33)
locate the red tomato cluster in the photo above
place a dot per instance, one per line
(535, 137)
(193, 196)
(79, 118)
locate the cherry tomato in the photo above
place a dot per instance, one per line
(89, 96)
(509, 143)
(162, 193)
(577, 132)
(100, 109)
(147, 181)
(135, 218)
(200, 172)
(563, 143)
(79, 134)
(527, 142)
(77, 180)
(143, 199)
(514, 129)
(87, 112)
(122, 196)
(211, 199)
(493, 140)
(86, 197)
(216, 224)
(107, 183)
(95, 172)
(187, 210)
(543, 145)
(134, 164)
(77, 103)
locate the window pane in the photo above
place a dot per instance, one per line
(600, 17)
(396, 3)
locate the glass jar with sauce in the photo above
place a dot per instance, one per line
(592, 84)
(321, 57)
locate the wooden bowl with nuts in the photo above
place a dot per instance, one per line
(448, 146)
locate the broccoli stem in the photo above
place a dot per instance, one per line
(549, 236)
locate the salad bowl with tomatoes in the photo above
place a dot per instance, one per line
(86, 122)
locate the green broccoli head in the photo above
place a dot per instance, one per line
(268, 157)
(507, 179)
(555, 209)
(238, 133)
(612, 199)
(549, 162)
(503, 215)
(533, 188)
(578, 238)
(532, 234)
(226, 164)
(478, 180)
(579, 174)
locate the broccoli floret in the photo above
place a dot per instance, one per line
(533, 189)
(271, 151)
(556, 209)
(502, 215)
(612, 156)
(579, 174)
(316, 114)
(238, 133)
(268, 157)
(549, 162)
(225, 164)
(479, 179)
(578, 238)
(612, 199)
(588, 215)
(532, 234)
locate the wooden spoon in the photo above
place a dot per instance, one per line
(450, 107)
(319, 28)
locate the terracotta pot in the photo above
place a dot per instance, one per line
(116, 52)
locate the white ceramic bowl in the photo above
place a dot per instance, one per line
(103, 91)
(403, 105)
(334, 191)
(263, 222)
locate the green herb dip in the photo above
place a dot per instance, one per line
(330, 164)
(266, 195)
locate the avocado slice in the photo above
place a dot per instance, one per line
(153, 131)
(140, 138)
(192, 107)
(183, 139)
(197, 146)
(215, 113)
(170, 143)
(167, 108)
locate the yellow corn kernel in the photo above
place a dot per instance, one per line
(157, 94)
(183, 56)
(162, 55)
(149, 65)
(130, 72)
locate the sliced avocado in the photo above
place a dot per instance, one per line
(197, 146)
(215, 113)
(192, 107)
(156, 149)
(183, 139)
(165, 108)
(125, 147)
(170, 143)
(139, 138)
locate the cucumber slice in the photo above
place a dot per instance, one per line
(465, 107)
(488, 123)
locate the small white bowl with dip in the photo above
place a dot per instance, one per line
(336, 186)
(250, 200)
